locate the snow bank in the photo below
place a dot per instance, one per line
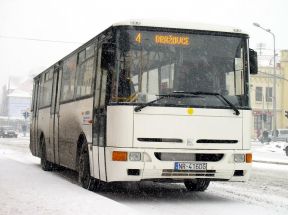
(269, 152)
(26, 189)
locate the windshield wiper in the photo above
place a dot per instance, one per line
(174, 95)
(212, 94)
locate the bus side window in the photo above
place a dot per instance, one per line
(85, 72)
(98, 80)
(68, 78)
(46, 88)
(35, 101)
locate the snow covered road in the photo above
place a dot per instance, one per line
(26, 189)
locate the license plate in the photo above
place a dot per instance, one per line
(190, 166)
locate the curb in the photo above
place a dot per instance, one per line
(270, 162)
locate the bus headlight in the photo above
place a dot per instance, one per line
(239, 158)
(135, 156)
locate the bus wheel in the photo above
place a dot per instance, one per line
(197, 185)
(84, 176)
(286, 150)
(45, 164)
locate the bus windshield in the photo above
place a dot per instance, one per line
(152, 63)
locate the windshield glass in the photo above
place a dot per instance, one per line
(150, 63)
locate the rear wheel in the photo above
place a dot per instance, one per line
(84, 176)
(197, 184)
(45, 164)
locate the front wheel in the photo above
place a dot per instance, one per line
(84, 176)
(197, 184)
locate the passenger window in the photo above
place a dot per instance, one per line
(98, 80)
(46, 89)
(68, 78)
(84, 79)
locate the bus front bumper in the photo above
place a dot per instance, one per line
(151, 168)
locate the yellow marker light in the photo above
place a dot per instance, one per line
(190, 111)
(119, 156)
(249, 158)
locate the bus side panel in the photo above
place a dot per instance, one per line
(43, 127)
(247, 122)
(73, 121)
(120, 126)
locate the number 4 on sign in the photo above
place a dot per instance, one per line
(138, 38)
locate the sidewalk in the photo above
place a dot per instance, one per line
(269, 153)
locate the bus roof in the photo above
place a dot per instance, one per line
(179, 25)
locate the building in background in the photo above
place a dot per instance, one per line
(262, 94)
(16, 99)
(18, 102)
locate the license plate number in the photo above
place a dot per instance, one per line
(190, 166)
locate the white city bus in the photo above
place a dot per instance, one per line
(156, 101)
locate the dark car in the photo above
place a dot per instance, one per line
(7, 132)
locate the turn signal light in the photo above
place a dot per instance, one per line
(119, 156)
(249, 158)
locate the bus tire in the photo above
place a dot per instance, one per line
(45, 164)
(197, 185)
(84, 176)
(286, 150)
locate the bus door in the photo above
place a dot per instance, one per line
(54, 114)
(99, 125)
(34, 118)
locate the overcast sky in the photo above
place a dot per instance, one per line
(79, 21)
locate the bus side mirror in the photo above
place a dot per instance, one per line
(253, 62)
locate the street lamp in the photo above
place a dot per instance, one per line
(274, 77)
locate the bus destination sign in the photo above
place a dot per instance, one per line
(166, 39)
(171, 40)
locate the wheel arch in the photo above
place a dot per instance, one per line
(81, 140)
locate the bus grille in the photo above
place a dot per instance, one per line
(172, 172)
(166, 156)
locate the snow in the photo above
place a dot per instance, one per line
(26, 189)
(270, 152)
